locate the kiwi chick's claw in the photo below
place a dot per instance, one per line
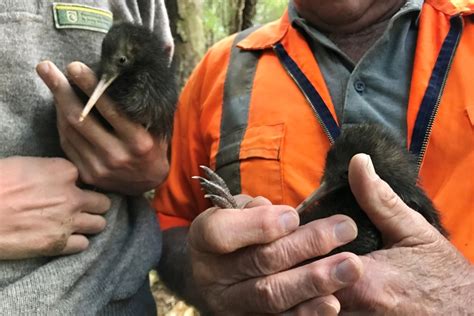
(216, 189)
(134, 71)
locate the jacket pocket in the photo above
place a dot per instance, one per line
(252, 165)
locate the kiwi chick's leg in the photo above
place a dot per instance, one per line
(216, 189)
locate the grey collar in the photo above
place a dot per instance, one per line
(410, 5)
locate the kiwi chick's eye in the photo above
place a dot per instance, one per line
(123, 60)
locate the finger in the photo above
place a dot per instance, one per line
(310, 241)
(87, 134)
(226, 230)
(73, 154)
(92, 132)
(85, 158)
(313, 240)
(69, 105)
(395, 220)
(242, 200)
(66, 101)
(320, 306)
(246, 201)
(51, 76)
(75, 244)
(282, 291)
(85, 78)
(88, 158)
(257, 201)
(88, 224)
(95, 203)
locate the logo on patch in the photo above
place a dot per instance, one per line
(72, 16)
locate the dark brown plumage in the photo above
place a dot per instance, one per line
(135, 72)
(392, 162)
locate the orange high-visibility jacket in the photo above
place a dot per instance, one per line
(247, 112)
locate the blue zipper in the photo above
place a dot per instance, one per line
(432, 98)
(429, 105)
(320, 109)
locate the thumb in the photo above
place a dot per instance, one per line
(396, 221)
(246, 201)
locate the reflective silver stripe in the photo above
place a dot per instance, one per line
(235, 110)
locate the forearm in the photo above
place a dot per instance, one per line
(175, 267)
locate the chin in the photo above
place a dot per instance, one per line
(332, 12)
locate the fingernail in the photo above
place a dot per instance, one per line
(326, 309)
(345, 231)
(43, 68)
(75, 69)
(370, 168)
(347, 271)
(289, 221)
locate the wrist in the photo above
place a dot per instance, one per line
(175, 268)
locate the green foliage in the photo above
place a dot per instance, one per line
(214, 19)
(217, 13)
(269, 10)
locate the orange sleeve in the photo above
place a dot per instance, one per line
(180, 199)
(176, 199)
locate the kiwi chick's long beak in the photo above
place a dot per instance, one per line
(312, 198)
(103, 84)
(320, 193)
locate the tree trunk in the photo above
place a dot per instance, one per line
(187, 28)
(235, 18)
(241, 14)
(191, 41)
(248, 14)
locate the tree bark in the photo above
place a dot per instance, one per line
(241, 14)
(191, 41)
(188, 33)
(235, 17)
(248, 14)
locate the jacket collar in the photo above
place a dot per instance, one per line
(270, 34)
(453, 7)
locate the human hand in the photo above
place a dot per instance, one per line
(127, 160)
(43, 212)
(252, 260)
(420, 273)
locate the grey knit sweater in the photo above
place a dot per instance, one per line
(109, 278)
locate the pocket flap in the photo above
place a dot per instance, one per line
(262, 142)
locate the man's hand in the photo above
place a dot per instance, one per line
(420, 273)
(127, 159)
(43, 212)
(250, 260)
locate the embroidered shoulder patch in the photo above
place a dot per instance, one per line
(78, 16)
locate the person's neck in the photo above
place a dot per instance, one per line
(349, 22)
